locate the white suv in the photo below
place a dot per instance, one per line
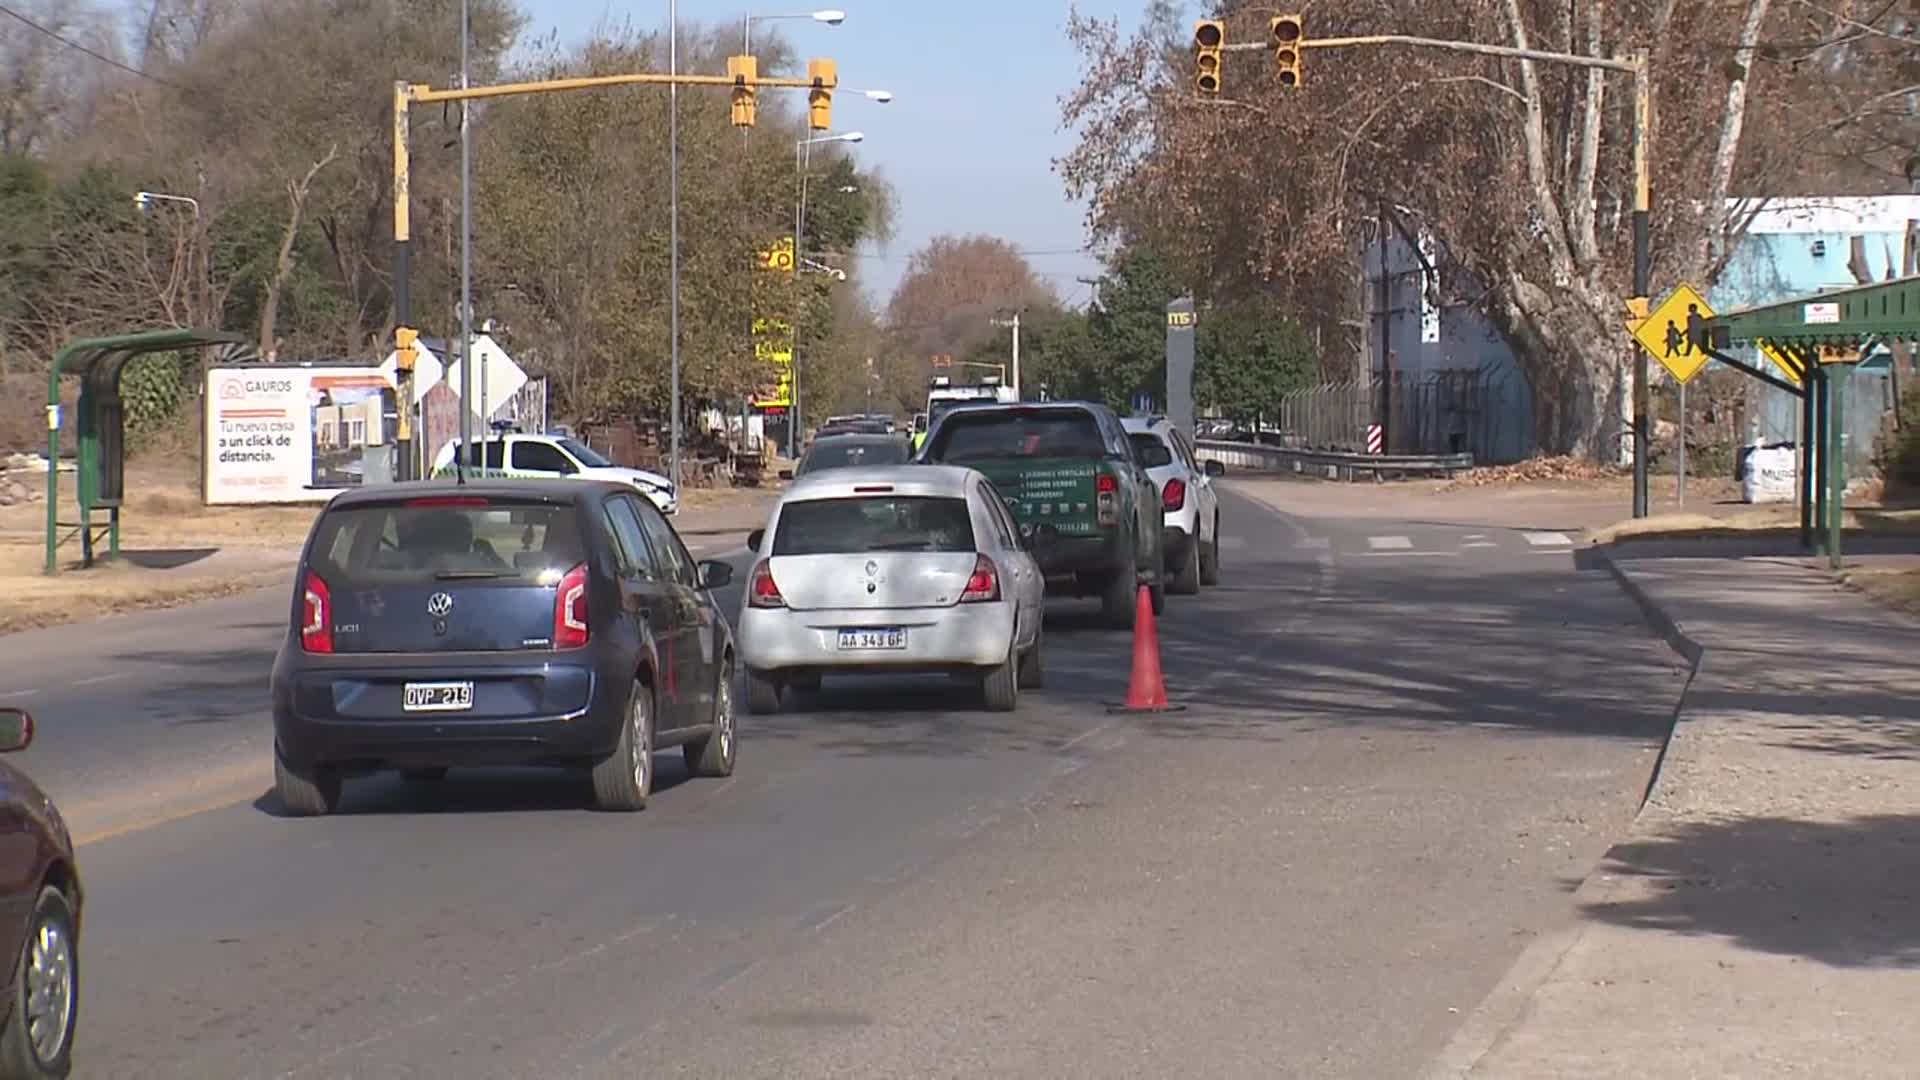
(553, 457)
(1192, 509)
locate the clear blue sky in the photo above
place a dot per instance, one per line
(962, 158)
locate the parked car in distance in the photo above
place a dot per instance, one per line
(1076, 486)
(40, 888)
(1190, 506)
(908, 569)
(499, 622)
(850, 452)
(552, 457)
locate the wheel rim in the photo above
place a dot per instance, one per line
(723, 715)
(49, 989)
(642, 739)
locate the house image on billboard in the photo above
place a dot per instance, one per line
(353, 425)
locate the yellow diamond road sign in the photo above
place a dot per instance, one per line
(1665, 335)
(1788, 363)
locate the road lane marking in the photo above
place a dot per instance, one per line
(7, 695)
(1549, 539)
(1316, 543)
(1479, 544)
(98, 679)
(1389, 543)
(234, 784)
(1406, 554)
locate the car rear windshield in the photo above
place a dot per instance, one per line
(850, 454)
(873, 523)
(1054, 433)
(426, 540)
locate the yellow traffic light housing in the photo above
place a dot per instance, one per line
(824, 77)
(1208, 37)
(405, 347)
(1288, 35)
(745, 73)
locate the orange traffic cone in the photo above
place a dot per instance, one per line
(1147, 690)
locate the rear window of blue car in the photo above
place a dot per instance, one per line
(873, 523)
(430, 539)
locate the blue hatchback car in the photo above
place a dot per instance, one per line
(439, 625)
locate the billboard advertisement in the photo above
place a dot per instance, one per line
(282, 433)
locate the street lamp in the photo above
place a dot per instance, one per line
(802, 158)
(144, 200)
(829, 17)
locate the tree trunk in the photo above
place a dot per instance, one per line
(283, 267)
(1571, 357)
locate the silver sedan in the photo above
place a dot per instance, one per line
(907, 569)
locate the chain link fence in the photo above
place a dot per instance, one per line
(1486, 414)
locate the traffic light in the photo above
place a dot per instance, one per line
(405, 345)
(1287, 34)
(820, 99)
(1208, 36)
(745, 72)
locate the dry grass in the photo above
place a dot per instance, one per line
(1897, 589)
(30, 600)
(1751, 521)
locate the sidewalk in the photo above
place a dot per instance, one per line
(1762, 919)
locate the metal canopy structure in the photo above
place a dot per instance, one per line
(1848, 318)
(1829, 334)
(100, 428)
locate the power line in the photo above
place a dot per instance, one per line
(72, 44)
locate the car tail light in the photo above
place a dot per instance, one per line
(761, 591)
(984, 585)
(1174, 495)
(316, 615)
(1106, 499)
(570, 610)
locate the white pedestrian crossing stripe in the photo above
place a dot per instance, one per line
(1549, 539)
(1316, 543)
(1389, 543)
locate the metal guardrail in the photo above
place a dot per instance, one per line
(1333, 464)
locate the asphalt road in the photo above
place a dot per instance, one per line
(1403, 744)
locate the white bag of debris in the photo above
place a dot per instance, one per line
(1768, 473)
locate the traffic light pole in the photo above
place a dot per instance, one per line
(406, 95)
(1638, 66)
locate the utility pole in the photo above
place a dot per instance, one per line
(673, 243)
(1013, 323)
(466, 260)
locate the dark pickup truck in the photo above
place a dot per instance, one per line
(1078, 490)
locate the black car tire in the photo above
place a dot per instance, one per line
(18, 1055)
(1000, 687)
(424, 777)
(1186, 580)
(1117, 601)
(1157, 594)
(713, 755)
(763, 693)
(1210, 557)
(1032, 674)
(306, 791)
(622, 782)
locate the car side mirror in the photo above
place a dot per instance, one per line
(1213, 467)
(16, 730)
(786, 474)
(754, 538)
(715, 574)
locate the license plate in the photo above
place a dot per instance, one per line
(438, 697)
(888, 637)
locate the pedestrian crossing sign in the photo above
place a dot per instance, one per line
(1670, 333)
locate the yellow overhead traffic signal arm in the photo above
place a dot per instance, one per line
(1209, 36)
(745, 73)
(823, 77)
(1288, 36)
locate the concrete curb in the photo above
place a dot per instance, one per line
(1506, 1005)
